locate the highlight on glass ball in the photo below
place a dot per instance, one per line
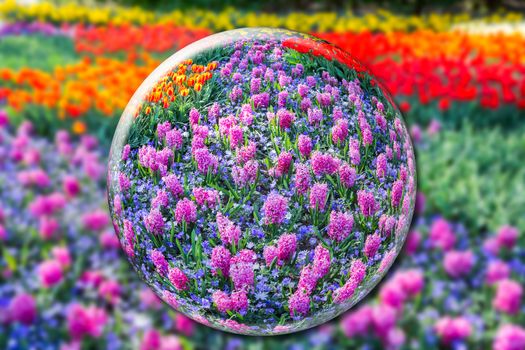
(261, 181)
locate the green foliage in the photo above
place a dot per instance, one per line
(475, 176)
(36, 51)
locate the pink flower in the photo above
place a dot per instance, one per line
(174, 139)
(62, 256)
(228, 231)
(321, 261)
(220, 259)
(302, 178)
(285, 118)
(299, 303)
(367, 203)
(125, 152)
(173, 185)
(239, 301)
(246, 153)
(441, 235)
(110, 290)
(206, 161)
(284, 160)
(358, 322)
(206, 197)
(340, 225)
(308, 279)
(340, 131)
(497, 271)
(383, 319)
(509, 337)
(84, 321)
(95, 220)
(23, 309)
(324, 163)
(355, 152)
(357, 274)
(458, 263)
(47, 227)
(318, 196)
(184, 325)
(347, 175)
(286, 246)
(397, 192)
(508, 296)
(170, 342)
(392, 294)
(50, 273)
(160, 200)
(151, 340)
(304, 144)
(381, 165)
(159, 261)
(387, 260)
(236, 136)
(71, 185)
(185, 211)
(451, 329)
(275, 208)
(270, 253)
(194, 116)
(507, 236)
(411, 281)
(154, 222)
(372, 245)
(178, 278)
(162, 129)
(242, 275)
(412, 242)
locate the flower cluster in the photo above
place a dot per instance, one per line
(284, 196)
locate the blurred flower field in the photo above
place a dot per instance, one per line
(67, 72)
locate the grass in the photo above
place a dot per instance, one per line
(36, 51)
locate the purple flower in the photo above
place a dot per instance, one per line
(299, 303)
(228, 231)
(220, 259)
(397, 192)
(366, 202)
(286, 246)
(321, 262)
(154, 222)
(159, 261)
(275, 208)
(381, 166)
(340, 131)
(347, 175)
(318, 196)
(261, 100)
(354, 152)
(452, 329)
(173, 185)
(315, 115)
(206, 161)
(185, 211)
(458, 263)
(23, 309)
(340, 225)
(285, 118)
(372, 244)
(178, 278)
(324, 163)
(508, 297)
(302, 178)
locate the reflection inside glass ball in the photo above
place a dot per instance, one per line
(261, 181)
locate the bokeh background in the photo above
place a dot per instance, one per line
(457, 71)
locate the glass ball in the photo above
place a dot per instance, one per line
(261, 181)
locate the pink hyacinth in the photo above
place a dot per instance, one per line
(392, 294)
(321, 261)
(315, 115)
(194, 116)
(397, 192)
(458, 263)
(451, 329)
(508, 297)
(286, 246)
(206, 161)
(222, 301)
(509, 337)
(347, 175)
(275, 208)
(239, 301)
(355, 152)
(23, 309)
(225, 124)
(242, 275)
(358, 322)
(151, 340)
(50, 273)
(340, 225)
(270, 253)
(324, 163)
(184, 325)
(185, 211)
(174, 139)
(110, 290)
(386, 224)
(178, 278)
(284, 160)
(85, 321)
(299, 303)
(159, 261)
(47, 227)
(507, 236)
(228, 231)
(95, 220)
(62, 256)
(384, 319)
(381, 165)
(302, 178)
(124, 182)
(340, 131)
(71, 185)
(357, 274)
(236, 136)
(154, 222)
(162, 129)
(367, 203)
(387, 260)
(125, 152)
(497, 271)
(372, 245)
(206, 196)
(285, 118)
(220, 259)
(411, 281)
(308, 279)
(441, 234)
(247, 153)
(160, 200)
(318, 196)
(173, 185)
